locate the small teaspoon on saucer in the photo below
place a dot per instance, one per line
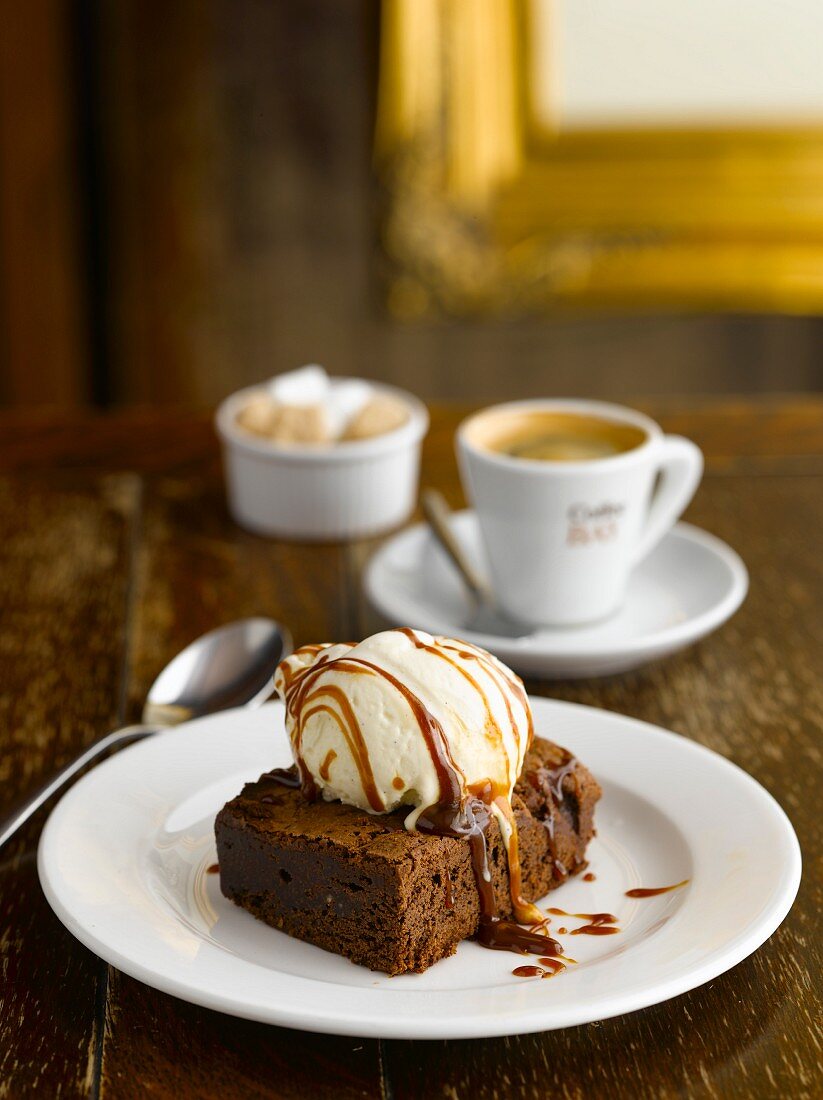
(487, 617)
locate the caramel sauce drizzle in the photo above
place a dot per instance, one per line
(289, 673)
(450, 777)
(296, 685)
(553, 965)
(328, 760)
(524, 911)
(418, 643)
(285, 777)
(652, 892)
(548, 968)
(528, 972)
(350, 728)
(595, 930)
(566, 768)
(597, 924)
(470, 822)
(503, 678)
(555, 791)
(592, 918)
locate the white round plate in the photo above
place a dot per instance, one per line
(689, 584)
(124, 857)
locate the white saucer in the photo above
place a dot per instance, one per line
(690, 584)
(124, 857)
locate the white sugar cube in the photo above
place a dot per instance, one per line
(307, 386)
(345, 400)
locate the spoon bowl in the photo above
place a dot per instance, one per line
(486, 617)
(228, 667)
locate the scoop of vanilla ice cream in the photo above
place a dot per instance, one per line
(373, 723)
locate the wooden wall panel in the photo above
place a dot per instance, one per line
(159, 68)
(42, 298)
(244, 232)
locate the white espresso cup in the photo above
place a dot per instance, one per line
(562, 534)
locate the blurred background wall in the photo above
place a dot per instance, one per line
(188, 204)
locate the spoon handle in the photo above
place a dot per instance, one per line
(437, 512)
(21, 815)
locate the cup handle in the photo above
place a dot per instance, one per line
(680, 466)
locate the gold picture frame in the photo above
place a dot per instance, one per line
(487, 212)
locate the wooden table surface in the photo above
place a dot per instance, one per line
(116, 550)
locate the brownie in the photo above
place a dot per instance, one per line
(363, 886)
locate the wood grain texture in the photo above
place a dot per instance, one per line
(734, 433)
(64, 575)
(157, 1046)
(105, 571)
(196, 569)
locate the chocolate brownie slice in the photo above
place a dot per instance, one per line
(363, 886)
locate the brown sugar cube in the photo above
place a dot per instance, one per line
(257, 415)
(300, 424)
(379, 415)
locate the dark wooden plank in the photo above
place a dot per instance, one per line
(140, 440)
(733, 434)
(64, 570)
(159, 106)
(242, 214)
(197, 569)
(65, 544)
(159, 1047)
(732, 431)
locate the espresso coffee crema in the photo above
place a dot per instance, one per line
(555, 436)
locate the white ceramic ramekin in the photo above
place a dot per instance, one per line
(345, 491)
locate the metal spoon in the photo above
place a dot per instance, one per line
(228, 667)
(487, 617)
